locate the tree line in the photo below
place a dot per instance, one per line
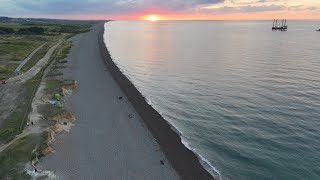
(27, 31)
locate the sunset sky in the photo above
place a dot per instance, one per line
(162, 9)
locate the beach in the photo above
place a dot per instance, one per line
(116, 135)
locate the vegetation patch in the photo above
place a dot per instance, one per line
(5, 71)
(31, 30)
(53, 86)
(18, 47)
(64, 51)
(5, 30)
(12, 125)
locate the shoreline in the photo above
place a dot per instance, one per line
(184, 161)
(109, 139)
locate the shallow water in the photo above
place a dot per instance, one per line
(245, 98)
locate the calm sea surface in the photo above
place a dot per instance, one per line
(245, 98)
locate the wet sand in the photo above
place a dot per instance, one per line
(104, 143)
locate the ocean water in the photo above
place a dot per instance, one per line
(245, 98)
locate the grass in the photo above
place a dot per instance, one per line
(15, 26)
(64, 51)
(54, 84)
(18, 47)
(16, 156)
(12, 125)
(49, 29)
(53, 28)
(5, 71)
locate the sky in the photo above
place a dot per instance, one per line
(163, 9)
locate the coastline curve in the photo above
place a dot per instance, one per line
(186, 162)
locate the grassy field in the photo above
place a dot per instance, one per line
(53, 28)
(15, 26)
(18, 47)
(5, 71)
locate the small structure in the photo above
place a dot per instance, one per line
(279, 27)
(4, 82)
(56, 96)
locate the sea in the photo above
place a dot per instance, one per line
(245, 98)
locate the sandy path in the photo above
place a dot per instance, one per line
(104, 143)
(23, 62)
(36, 68)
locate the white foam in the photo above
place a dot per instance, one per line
(48, 175)
(204, 162)
(148, 100)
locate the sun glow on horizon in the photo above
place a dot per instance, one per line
(151, 17)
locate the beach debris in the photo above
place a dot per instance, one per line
(120, 97)
(65, 123)
(161, 162)
(56, 103)
(57, 100)
(53, 102)
(130, 116)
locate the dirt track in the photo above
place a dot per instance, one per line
(36, 68)
(23, 62)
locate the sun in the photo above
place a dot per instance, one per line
(152, 17)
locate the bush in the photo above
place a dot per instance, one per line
(31, 30)
(4, 30)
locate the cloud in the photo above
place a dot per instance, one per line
(106, 6)
(303, 8)
(247, 8)
(127, 7)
